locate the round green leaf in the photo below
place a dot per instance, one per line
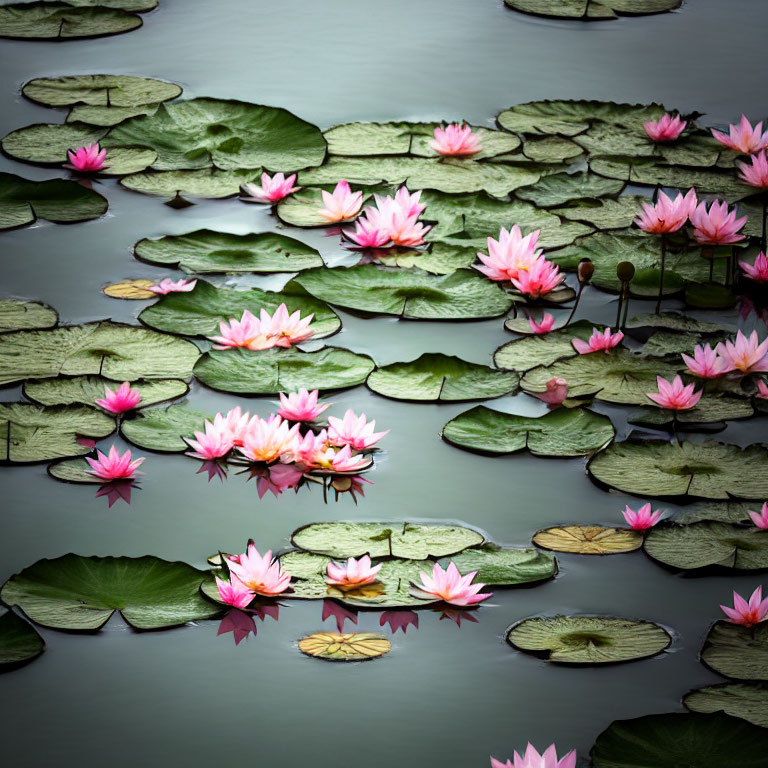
(107, 116)
(736, 651)
(589, 639)
(562, 432)
(547, 149)
(677, 322)
(560, 188)
(81, 593)
(540, 349)
(710, 409)
(19, 641)
(721, 511)
(747, 701)
(17, 315)
(83, 390)
(497, 566)
(73, 471)
(206, 183)
(604, 214)
(440, 259)
(101, 90)
(55, 21)
(162, 429)
(710, 296)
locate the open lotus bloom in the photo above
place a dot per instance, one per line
(643, 518)
(509, 255)
(233, 424)
(87, 159)
(746, 354)
(718, 225)
(760, 519)
(544, 325)
(345, 461)
(370, 230)
(598, 341)
(301, 405)
(213, 443)
(353, 431)
(758, 271)
(280, 329)
(762, 389)
(666, 128)
(268, 440)
(756, 173)
(532, 759)
(455, 140)
(247, 332)
(706, 363)
(540, 278)
(743, 137)
(284, 329)
(234, 592)
(451, 587)
(747, 613)
(674, 395)
(114, 466)
(391, 221)
(119, 400)
(272, 189)
(342, 204)
(555, 393)
(666, 215)
(353, 573)
(260, 575)
(166, 286)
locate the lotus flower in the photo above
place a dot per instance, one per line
(114, 466)
(451, 587)
(332, 609)
(666, 215)
(532, 759)
(259, 574)
(598, 341)
(555, 394)
(234, 592)
(718, 225)
(301, 405)
(643, 519)
(673, 395)
(393, 220)
(353, 573)
(233, 425)
(268, 439)
(345, 461)
(213, 443)
(278, 478)
(747, 613)
(341, 205)
(354, 431)
(87, 159)
(371, 231)
(760, 519)
(405, 231)
(510, 254)
(544, 325)
(399, 620)
(666, 128)
(166, 285)
(119, 400)
(455, 140)
(541, 278)
(745, 354)
(757, 271)
(247, 332)
(284, 329)
(756, 173)
(272, 188)
(743, 137)
(310, 450)
(762, 390)
(705, 363)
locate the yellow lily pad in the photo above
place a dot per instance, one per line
(130, 289)
(589, 539)
(355, 646)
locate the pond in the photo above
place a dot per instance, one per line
(452, 690)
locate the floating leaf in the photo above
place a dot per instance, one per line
(17, 315)
(540, 349)
(114, 351)
(403, 540)
(100, 90)
(605, 214)
(677, 322)
(589, 539)
(722, 511)
(440, 259)
(560, 188)
(710, 296)
(747, 701)
(206, 183)
(657, 468)
(440, 377)
(81, 593)
(19, 642)
(562, 432)
(73, 471)
(33, 433)
(355, 646)
(736, 651)
(710, 409)
(56, 21)
(498, 566)
(589, 639)
(549, 149)
(106, 117)
(161, 429)
(131, 289)
(206, 251)
(282, 370)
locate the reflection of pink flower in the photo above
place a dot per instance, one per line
(666, 215)
(747, 613)
(301, 405)
(705, 363)
(342, 204)
(353, 573)
(278, 478)
(455, 140)
(760, 519)
(510, 254)
(239, 623)
(234, 592)
(666, 128)
(214, 469)
(339, 612)
(643, 518)
(757, 271)
(272, 189)
(119, 400)
(718, 225)
(117, 489)
(544, 325)
(555, 393)
(451, 587)
(673, 395)
(598, 341)
(354, 431)
(259, 574)
(166, 285)
(743, 137)
(87, 159)
(745, 354)
(457, 615)
(114, 466)
(399, 620)
(532, 759)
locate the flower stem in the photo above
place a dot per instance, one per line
(575, 304)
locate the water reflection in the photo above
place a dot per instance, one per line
(457, 615)
(242, 623)
(214, 469)
(118, 489)
(399, 620)
(332, 609)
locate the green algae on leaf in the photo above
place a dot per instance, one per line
(205, 183)
(499, 566)
(57, 21)
(83, 390)
(749, 701)
(18, 315)
(19, 641)
(100, 90)
(735, 651)
(162, 429)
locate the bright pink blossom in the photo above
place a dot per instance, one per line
(666, 128)
(674, 395)
(540, 278)
(544, 325)
(762, 390)
(755, 174)
(234, 592)
(233, 424)
(555, 393)
(760, 519)
(342, 204)
(284, 329)
(353, 573)
(643, 518)
(408, 202)
(392, 221)
(354, 431)
(455, 140)
(311, 450)
(532, 759)
(213, 443)
(371, 231)
(757, 271)
(280, 329)
(747, 613)
(268, 439)
(301, 405)
(119, 400)
(247, 332)
(705, 363)
(510, 254)
(745, 354)
(405, 231)
(87, 159)
(743, 137)
(259, 574)
(666, 215)
(272, 188)
(451, 587)
(598, 341)
(718, 225)
(114, 466)
(346, 461)
(166, 285)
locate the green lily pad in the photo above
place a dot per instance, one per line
(675, 740)
(404, 540)
(676, 322)
(736, 651)
(605, 214)
(440, 377)
(73, 471)
(699, 545)
(56, 21)
(161, 429)
(56, 200)
(440, 259)
(665, 343)
(205, 183)
(206, 251)
(541, 349)
(230, 135)
(561, 188)
(301, 208)
(83, 390)
(19, 641)
(81, 593)
(549, 149)
(100, 90)
(106, 117)
(744, 700)
(114, 351)
(135, 6)
(710, 296)
(199, 312)
(710, 409)
(17, 315)
(710, 470)
(33, 433)
(497, 566)
(562, 432)
(282, 370)
(414, 294)
(589, 639)
(721, 511)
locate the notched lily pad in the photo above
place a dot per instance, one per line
(744, 700)
(57, 21)
(162, 429)
(83, 390)
(736, 651)
(19, 641)
(18, 315)
(176, 185)
(354, 646)
(589, 539)
(499, 566)
(540, 349)
(73, 471)
(561, 188)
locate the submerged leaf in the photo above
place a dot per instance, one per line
(19, 641)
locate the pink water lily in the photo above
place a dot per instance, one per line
(746, 354)
(544, 325)
(281, 329)
(354, 431)
(643, 518)
(212, 443)
(399, 620)
(114, 466)
(760, 519)
(747, 613)
(284, 329)
(540, 278)
(532, 759)
(510, 254)
(674, 395)
(346, 461)
(555, 393)
(598, 341)
(706, 363)
(247, 332)
(259, 574)
(310, 450)
(391, 221)
(666, 215)
(233, 424)
(405, 231)
(451, 587)
(166, 286)
(743, 137)
(87, 159)
(342, 204)
(301, 405)
(762, 390)
(666, 128)
(371, 231)
(456, 140)
(718, 225)
(272, 189)
(119, 400)
(756, 173)
(268, 439)
(234, 592)
(758, 271)
(353, 573)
